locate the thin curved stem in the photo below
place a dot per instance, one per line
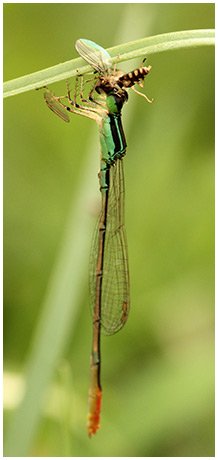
(127, 51)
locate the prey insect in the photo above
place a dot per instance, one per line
(109, 79)
(108, 271)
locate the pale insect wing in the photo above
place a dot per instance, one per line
(115, 280)
(56, 107)
(94, 54)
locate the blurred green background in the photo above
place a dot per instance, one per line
(158, 373)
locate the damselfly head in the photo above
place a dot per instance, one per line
(107, 84)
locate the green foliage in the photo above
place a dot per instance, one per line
(158, 373)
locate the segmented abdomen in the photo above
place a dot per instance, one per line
(130, 79)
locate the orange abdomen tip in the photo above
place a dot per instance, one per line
(94, 412)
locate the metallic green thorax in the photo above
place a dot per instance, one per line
(112, 139)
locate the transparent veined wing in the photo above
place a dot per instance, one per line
(56, 107)
(94, 54)
(115, 276)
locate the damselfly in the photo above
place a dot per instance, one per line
(109, 273)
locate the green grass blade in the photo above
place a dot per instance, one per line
(127, 51)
